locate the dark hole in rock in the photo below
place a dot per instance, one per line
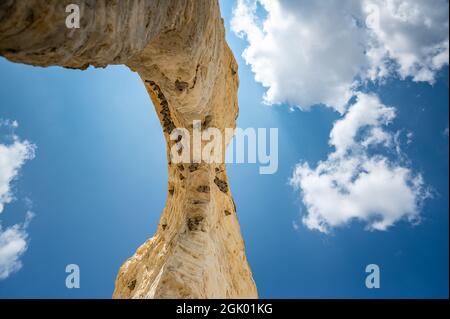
(193, 167)
(203, 189)
(194, 223)
(207, 121)
(165, 105)
(10, 50)
(168, 129)
(132, 284)
(181, 85)
(222, 185)
(227, 212)
(195, 77)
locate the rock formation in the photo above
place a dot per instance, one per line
(178, 49)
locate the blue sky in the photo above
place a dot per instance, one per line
(97, 183)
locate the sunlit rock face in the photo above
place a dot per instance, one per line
(178, 49)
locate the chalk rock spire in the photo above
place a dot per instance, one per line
(178, 48)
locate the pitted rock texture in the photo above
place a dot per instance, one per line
(178, 49)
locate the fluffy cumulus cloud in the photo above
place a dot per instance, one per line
(317, 52)
(12, 157)
(413, 34)
(13, 239)
(357, 181)
(307, 53)
(13, 243)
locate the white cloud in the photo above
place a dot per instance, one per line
(13, 243)
(352, 184)
(322, 52)
(366, 112)
(305, 53)
(13, 239)
(12, 157)
(317, 52)
(414, 34)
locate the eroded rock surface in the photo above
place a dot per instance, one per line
(178, 49)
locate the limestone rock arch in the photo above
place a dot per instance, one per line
(178, 48)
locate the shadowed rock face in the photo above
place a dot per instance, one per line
(178, 49)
